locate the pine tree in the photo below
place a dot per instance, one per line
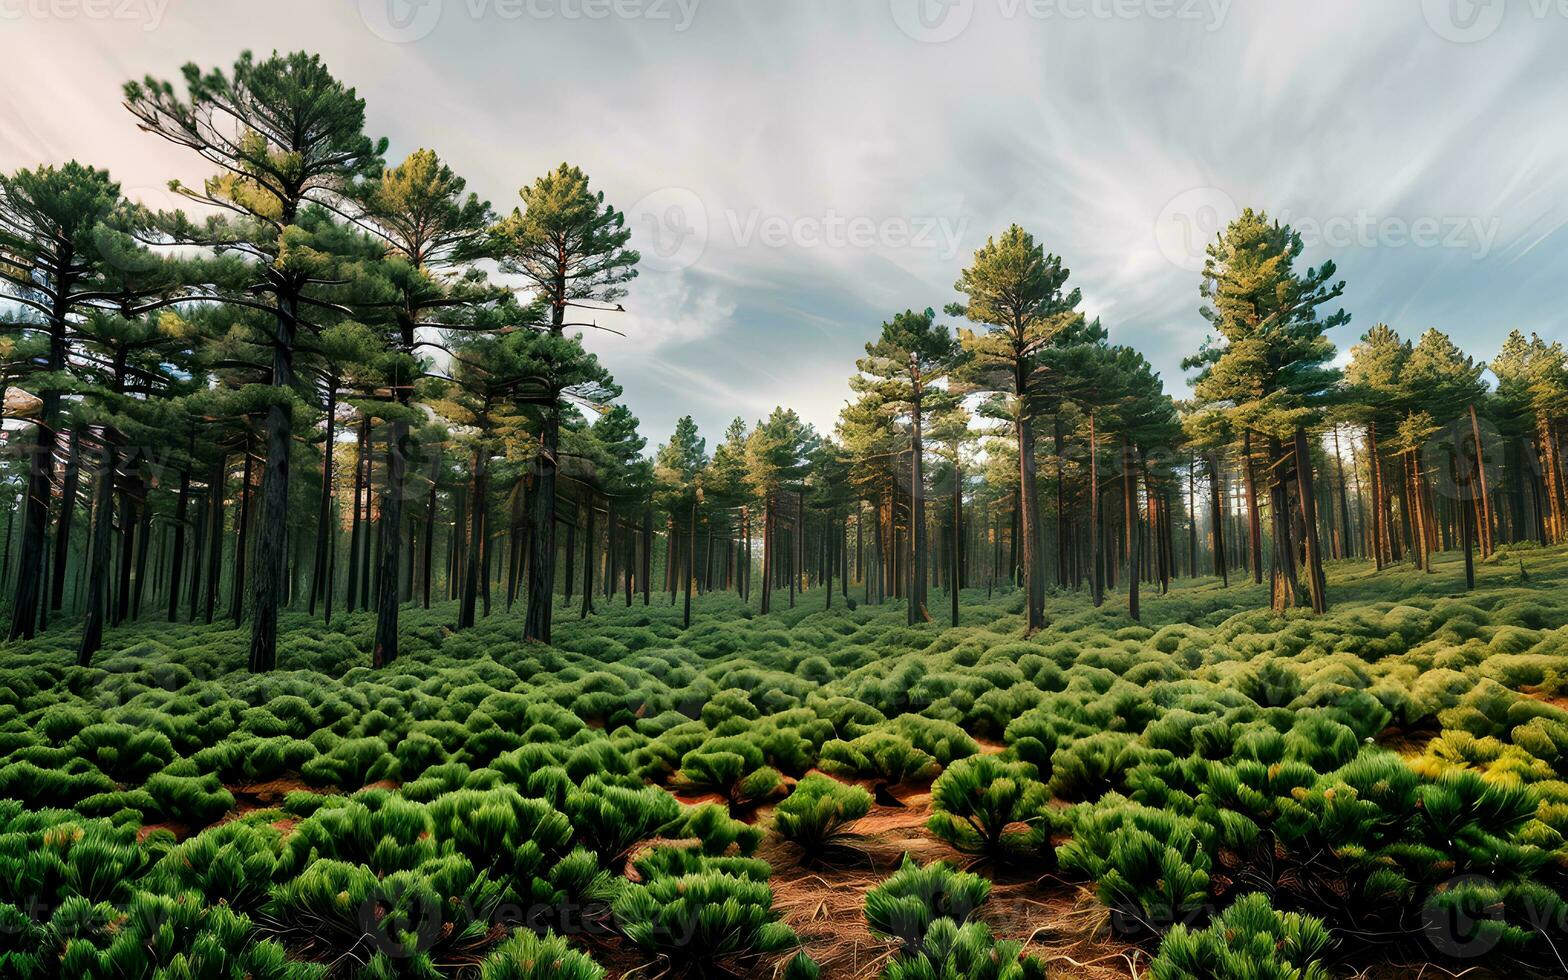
(1017, 291)
(1267, 365)
(570, 247)
(904, 367)
(284, 135)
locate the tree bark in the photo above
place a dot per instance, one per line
(237, 601)
(62, 534)
(1316, 582)
(272, 547)
(98, 559)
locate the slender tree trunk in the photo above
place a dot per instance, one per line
(1344, 500)
(98, 559)
(323, 508)
(955, 575)
(215, 535)
(237, 601)
(62, 534)
(388, 590)
(1487, 521)
(1254, 531)
(1096, 560)
(768, 557)
(1316, 581)
(1217, 486)
(141, 558)
(357, 523)
(121, 602)
(589, 555)
(428, 558)
(690, 570)
(541, 554)
(647, 555)
(473, 562)
(1134, 530)
(177, 554)
(1284, 585)
(272, 546)
(1034, 618)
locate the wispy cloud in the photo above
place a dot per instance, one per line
(1090, 131)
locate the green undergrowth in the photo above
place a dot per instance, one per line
(1384, 781)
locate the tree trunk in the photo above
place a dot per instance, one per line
(272, 547)
(1217, 485)
(1134, 529)
(1034, 618)
(589, 556)
(62, 534)
(177, 555)
(237, 602)
(388, 588)
(474, 552)
(98, 559)
(215, 535)
(1487, 521)
(428, 558)
(324, 507)
(541, 552)
(690, 569)
(1096, 560)
(1254, 531)
(1316, 581)
(955, 575)
(647, 555)
(768, 557)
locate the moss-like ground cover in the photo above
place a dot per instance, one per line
(1243, 796)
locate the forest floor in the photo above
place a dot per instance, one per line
(1411, 648)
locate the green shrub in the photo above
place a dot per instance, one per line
(967, 951)
(882, 756)
(817, 813)
(528, 956)
(977, 799)
(1150, 866)
(903, 907)
(703, 917)
(1249, 941)
(194, 800)
(717, 831)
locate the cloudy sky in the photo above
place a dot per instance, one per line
(797, 172)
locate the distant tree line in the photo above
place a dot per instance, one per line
(309, 393)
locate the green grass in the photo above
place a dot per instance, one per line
(1395, 762)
